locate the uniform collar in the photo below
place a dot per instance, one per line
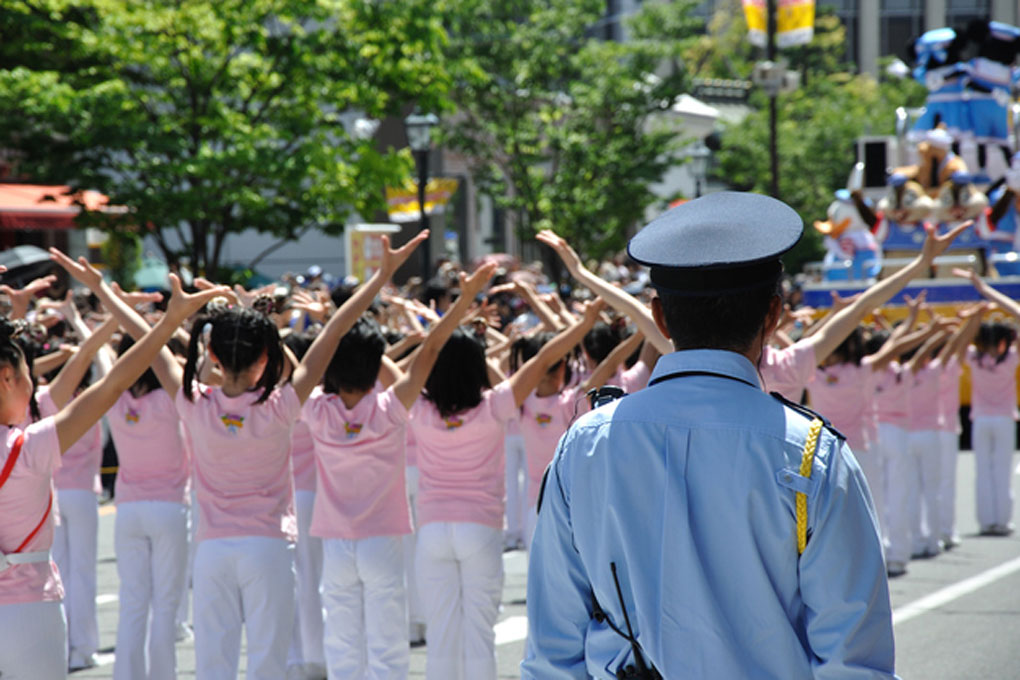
(723, 362)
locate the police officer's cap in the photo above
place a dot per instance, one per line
(724, 242)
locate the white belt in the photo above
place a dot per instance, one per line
(23, 558)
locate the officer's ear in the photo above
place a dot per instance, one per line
(659, 317)
(775, 313)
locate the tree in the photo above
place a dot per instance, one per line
(566, 130)
(205, 119)
(818, 124)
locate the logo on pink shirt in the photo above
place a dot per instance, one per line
(831, 379)
(131, 417)
(352, 429)
(453, 423)
(232, 423)
(543, 419)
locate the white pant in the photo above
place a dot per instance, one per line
(306, 646)
(948, 450)
(33, 641)
(75, 544)
(414, 610)
(872, 462)
(994, 441)
(151, 542)
(366, 610)
(460, 572)
(900, 490)
(926, 457)
(246, 581)
(516, 486)
(184, 608)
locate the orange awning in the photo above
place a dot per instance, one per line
(39, 206)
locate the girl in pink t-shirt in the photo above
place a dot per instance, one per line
(555, 403)
(241, 438)
(459, 427)
(151, 528)
(361, 507)
(32, 633)
(993, 363)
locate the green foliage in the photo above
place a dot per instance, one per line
(122, 253)
(817, 125)
(205, 119)
(566, 130)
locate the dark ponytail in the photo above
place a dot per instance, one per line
(17, 345)
(238, 336)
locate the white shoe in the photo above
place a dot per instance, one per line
(184, 632)
(894, 569)
(78, 663)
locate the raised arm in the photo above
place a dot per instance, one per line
(845, 321)
(550, 321)
(410, 385)
(965, 333)
(607, 367)
(21, 298)
(311, 369)
(63, 386)
(526, 379)
(920, 357)
(1005, 303)
(617, 298)
(83, 412)
(894, 347)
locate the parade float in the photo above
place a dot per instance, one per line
(953, 160)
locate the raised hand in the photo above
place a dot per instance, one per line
(182, 305)
(80, 270)
(935, 245)
(392, 259)
(559, 244)
(315, 309)
(136, 297)
(472, 285)
(593, 309)
(22, 297)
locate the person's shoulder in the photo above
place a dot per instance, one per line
(800, 420)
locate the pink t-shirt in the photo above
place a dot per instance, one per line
(636, 377)
(80, 469)
(411, 448)
(153, 465)
(992, 385)
(359, 457)
(892, 396)
(949, 395)
(924, 397)
(23, 502)
(302, 455)
(241, 453)
(543, 422)
(841, 394)
(461, 460)
(788, 371)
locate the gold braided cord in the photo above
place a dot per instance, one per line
(807, 460)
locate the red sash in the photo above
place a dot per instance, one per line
(5, 473)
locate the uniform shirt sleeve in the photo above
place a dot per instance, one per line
(842, 576)
(559, 594)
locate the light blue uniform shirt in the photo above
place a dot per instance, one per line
(689, 487)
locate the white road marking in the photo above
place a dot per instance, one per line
(957, 590)
(109, 598)
(511, 629)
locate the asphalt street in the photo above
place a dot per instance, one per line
(957, 616)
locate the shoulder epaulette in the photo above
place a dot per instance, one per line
(808, 413)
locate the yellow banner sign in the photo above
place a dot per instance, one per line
(402, 203)
(795, 22)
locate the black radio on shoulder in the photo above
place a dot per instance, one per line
(600, 396)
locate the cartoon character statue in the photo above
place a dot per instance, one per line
(1001, 226)
(902, 213)
(851, 249)
(936, 163)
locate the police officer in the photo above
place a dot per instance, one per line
(668, 542)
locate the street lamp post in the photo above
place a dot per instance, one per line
(698, 159)
(418, 127)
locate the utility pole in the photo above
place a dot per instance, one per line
(770, 56)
